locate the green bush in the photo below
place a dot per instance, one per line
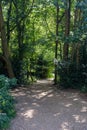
(6, 103)
(4, 82)
(70, 77)
(7, 110)
(4, 121)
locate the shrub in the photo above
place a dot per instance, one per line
(4, 82)
(7, 110)
(70, 77)
(4, 121)
(6, 103)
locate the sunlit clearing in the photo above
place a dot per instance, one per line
(68, 105)
(56, 114)
(30, 113)
(43, 94)
(17, 94)
(43, 81)
(84, 109)
(65, 125)
(84, 102)
(76, 99)
(51, 95)
(79, 119)
(35, 104)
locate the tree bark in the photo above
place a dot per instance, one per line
(56, 42)
(75, 55)
(8, 22)
(4, 45)
(78, 55)
(73, 52)
(67, 28)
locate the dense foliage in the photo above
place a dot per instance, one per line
(7, 109)
(39, 31)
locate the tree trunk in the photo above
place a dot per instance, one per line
(73, 52)
(75, 56)
(67, 28)
(56, 43)
(8, 22)
(4, 45)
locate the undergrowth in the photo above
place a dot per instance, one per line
(7, 109)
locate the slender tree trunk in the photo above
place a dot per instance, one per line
(73, 52)
(4, 45)
(76, 47)
(78, 56)
(56, 43)
(78, 44)
(20, 27)
(67, 28)
(8, 20)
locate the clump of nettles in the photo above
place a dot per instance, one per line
(7, 110)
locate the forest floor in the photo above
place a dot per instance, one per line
(43, 107)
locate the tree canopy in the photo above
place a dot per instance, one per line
(36, 33)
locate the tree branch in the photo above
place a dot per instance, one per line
(61, 18)
(25, 16)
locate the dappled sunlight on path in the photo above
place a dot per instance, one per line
(41, 107)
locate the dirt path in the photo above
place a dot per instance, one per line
(40, 107)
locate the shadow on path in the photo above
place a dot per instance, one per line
(41, 107)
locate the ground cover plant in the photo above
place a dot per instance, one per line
(7, 109)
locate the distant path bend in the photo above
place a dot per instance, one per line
(40, 107)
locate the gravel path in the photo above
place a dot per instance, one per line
(40, 107)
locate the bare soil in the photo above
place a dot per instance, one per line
(42, 107)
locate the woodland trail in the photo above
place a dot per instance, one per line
(42, 107)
